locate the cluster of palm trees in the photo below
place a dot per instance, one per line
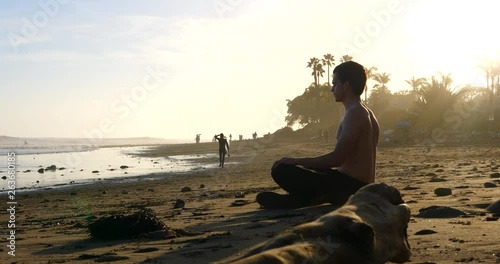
(328, 60)
(491, 69)
(425, 104)
(317, 65)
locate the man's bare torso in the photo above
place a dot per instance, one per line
(360, 163)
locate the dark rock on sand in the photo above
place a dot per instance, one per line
(240, 202)
(202, 186)
(442, 191)
(430, 174)
(4, 177)
(437, 180)
(51, 168)
(495, 175)
(96, 171)
(186, 189)
(491, 218)
(494, 207)
(179, 204)
(123, 167)
(439, 212)
(146, 250)
(425, 232)
(110, 257)
(41, 170)
(409, 188)
(489, 185)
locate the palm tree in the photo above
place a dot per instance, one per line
(312, 64)
(370, 72)
(382, 79)
(495, 89)
(319, 71)
(416, 85)
(345, 58)
(435, 98)
(328, 60)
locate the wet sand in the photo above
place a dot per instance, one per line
(221, 219)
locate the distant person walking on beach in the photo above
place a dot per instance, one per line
(222, 148)
(197, 138)
(333, 177)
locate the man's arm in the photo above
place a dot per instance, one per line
(348, 137)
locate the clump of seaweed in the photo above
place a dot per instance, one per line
(125, 226)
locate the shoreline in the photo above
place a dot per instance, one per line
(98, 165)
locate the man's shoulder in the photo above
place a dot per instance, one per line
(359, 113)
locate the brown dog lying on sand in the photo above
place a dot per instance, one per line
(369, 228)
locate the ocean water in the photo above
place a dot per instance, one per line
(77, 166)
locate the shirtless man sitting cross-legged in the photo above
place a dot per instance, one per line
(333, 177)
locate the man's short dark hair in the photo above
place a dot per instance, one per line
(354, 73)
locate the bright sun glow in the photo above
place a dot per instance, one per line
(453, 37)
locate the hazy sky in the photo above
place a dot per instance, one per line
(172, 69)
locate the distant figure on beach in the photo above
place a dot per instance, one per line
(254, 135)
(222, 148)
(240, 137)
(230, 137)
(332, 177)
(197, 138)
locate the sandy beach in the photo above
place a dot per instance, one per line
(220, 219)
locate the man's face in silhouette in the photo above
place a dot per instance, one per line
(339, 89)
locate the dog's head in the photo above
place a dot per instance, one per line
(389, 193)
(389, 219)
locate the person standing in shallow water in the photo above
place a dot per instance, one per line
(222, 148)
(333, 177)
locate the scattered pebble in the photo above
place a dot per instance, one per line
(146, 250)
(425, 232)
(437, 180)
(489, 185)
(495, 175)
(439, 212)
(202, 186)
(240, 202)
(442, 191)
(96, 171)
(179, 204)
(123, 167)
(491, 218)
(41, 170)
(186, 189)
